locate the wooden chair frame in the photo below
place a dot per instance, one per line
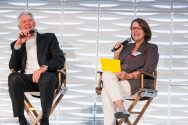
(58, 95)
(142, 95)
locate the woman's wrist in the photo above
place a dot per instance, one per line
(132, 75)
(116, 55)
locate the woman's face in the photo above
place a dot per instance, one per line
(137, 32)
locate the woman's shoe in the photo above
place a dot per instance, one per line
(121, 113)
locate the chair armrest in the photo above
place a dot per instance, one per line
(99, 87)
(62, 70)
(61, 74)
(98, 90)
(99, 72)
(12, 70)
(147, 75)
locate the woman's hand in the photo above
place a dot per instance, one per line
(136, 74)
(119, 48)
(124, 75)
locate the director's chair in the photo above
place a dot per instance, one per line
(143, 94)
(59, 93)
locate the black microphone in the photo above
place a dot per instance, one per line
(31, 31)
(123, 43)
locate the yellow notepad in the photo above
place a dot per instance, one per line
(111, 65)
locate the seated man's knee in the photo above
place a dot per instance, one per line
(48, 79)
(13, 78)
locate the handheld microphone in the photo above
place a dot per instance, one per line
(123, 43)
(31, 31)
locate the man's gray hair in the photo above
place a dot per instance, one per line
(24, 13)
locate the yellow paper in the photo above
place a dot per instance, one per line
(111, 65)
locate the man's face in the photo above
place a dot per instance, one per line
(26, 23)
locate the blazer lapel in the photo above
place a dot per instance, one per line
(24, 57)
(39, 46)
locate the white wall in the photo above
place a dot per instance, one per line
(86, 31)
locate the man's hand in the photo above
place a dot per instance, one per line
(37, 73)
(21, 40)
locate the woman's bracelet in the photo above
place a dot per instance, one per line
(132, 76)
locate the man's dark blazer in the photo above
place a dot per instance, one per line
(145, 61)
(48, 53)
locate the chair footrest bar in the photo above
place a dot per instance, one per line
(63, 90)
(134, 112)
(148, 93)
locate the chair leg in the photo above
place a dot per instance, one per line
(130, 109)
(132, 106)
(134, 103)
(139, 113)
(37, 120)
(120, 121)
(30, 109)
(129, 122)
(143, 110)
(28, 104)
(34, 116)
(30, 114)
(56, 103)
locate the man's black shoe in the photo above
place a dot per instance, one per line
(44, 121)
(23, 121)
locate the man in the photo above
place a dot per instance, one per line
(34, 61)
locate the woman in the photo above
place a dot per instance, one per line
(135, 57)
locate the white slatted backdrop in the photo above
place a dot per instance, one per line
(86, 31)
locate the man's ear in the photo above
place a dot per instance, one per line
(19, 26)
(34, 24)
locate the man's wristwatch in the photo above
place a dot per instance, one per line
(45, 66)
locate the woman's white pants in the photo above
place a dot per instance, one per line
(113, 90)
